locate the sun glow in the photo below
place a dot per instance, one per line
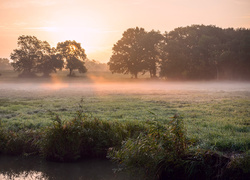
(72, 49)
(56, 84)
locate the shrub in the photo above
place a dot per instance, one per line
(239, 167)
(155, 151)
(83, 136)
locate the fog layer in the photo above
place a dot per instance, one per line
(99, 88)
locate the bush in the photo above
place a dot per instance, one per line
(84, 136)
(155, 151)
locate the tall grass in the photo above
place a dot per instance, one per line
(84, 136)
(165, 152)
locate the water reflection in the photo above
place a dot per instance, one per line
(18, 168)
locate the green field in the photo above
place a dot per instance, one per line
(217, 118)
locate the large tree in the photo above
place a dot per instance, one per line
(26, 55)
(193, 52)
(152, 42)
(49, 60)
(35, 56)
(50, 63)
(128, 57)
(73, 54)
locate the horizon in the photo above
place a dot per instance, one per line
(98, 25)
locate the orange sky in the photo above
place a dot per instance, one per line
(98, 24)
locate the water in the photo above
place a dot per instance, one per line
(19, 168)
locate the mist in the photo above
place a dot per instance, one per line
(102, 87)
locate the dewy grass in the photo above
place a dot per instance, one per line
(217, 122)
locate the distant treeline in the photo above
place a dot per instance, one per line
(187, 53)
(34, 56)
(196, 52)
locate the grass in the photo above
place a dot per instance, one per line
(218, 124)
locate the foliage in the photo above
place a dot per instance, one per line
(164, 152)
(137, 51)
(34, 56)
(20, 142)
(159, 144)
(152, 44)
(240, 166)
(73, 54)
(25, 57)
(206, 52)
(5, 64)
(83, 136)
(192, 52)
(49, 63)
(128, 53)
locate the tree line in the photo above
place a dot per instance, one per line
(187, 53)
(35, 56)
(192, 52)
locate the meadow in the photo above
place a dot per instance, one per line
(216, 115)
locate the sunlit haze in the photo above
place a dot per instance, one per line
(97, 24)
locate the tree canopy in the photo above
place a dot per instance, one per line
(192, 52)
(73, 54)
(35, 56)
(128, 53)
(186, 53)
(206, 52)
(136, 52)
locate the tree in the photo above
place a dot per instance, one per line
(35, 56)
(73, 54)
(26, 56)
(128, 57)
(49, 63)
(4, 64)
(96, 66)
(193, 52)
(152, 42)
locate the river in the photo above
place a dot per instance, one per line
(30, 168)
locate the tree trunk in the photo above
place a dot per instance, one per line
(70, 72)
(135, 75)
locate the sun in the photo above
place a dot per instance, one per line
(72, 48)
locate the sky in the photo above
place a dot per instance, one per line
(99, 24)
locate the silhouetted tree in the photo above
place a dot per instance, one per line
(50, 63)
(26, 56)
(194, 52)
(35, 56)
(73, 54)
(151, 43)
(128, 57)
